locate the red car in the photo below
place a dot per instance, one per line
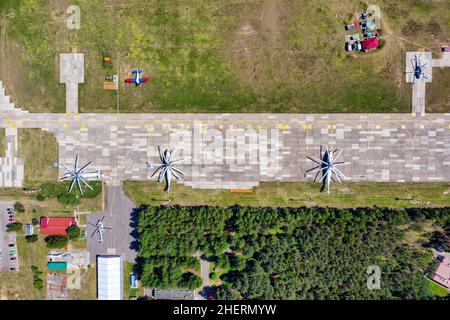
(13, 258)
(12, 220)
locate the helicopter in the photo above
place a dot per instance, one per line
(417, 68)
(100, 229)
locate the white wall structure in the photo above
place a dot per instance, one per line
(109, 277)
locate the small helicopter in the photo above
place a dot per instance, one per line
(417, 66)
(100, 229)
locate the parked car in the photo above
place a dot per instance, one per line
(351, 26)
(13, 258)
(10, 209)
(348, 46)
(358, 46)
(11, 245)
(11, 216)
(12, 269)
(11, 220)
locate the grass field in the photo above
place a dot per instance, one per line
(38, 149)
(347, 195)
(127, 291)
(19, 285)
(437, 290)
(220, 56)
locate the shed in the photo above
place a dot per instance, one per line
(109, 277)
(57, 265)
(29, 230)
(133, 281)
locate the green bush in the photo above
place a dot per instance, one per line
(40, 197)
(73, 232)
(34, 221)
(18, 207)
(37, 281)
(15, 227)
(56, 242)
(213, 276)
(69, 199)
(32, 238)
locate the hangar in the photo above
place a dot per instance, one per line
(109, 277)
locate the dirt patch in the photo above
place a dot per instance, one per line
(59, 6)
(257, 46)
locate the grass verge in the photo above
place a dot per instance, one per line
(346, 195)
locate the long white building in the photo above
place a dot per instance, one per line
(109, 277)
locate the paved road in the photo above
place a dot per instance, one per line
(120, 217)
(204, 268)
(6, 238)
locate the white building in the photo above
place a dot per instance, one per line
(109, 277)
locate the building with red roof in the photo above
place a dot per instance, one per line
(442, 273)
(370, 43)
(56, 226)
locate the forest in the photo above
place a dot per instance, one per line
(290, 253)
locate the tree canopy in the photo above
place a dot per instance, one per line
(287, 253)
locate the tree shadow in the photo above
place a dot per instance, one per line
(134, 222)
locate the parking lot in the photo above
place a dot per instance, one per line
(9, 256)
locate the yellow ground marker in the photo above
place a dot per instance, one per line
(422, 126)
(76, 114)
(310, 126)
(65, 126)
(230, 126)
(67, 114)
(249, 126)
(359, 126)
(220, 126)
(82, 126)
(13, 126)
(8, 121)
(403, 126)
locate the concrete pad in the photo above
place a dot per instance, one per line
(425, 58)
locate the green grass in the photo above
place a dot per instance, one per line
(19, 285)
(220, 56)
(437, 290)
(88, 290)
(127, 291)
(347, 195)
(38, 149)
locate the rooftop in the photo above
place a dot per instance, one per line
(442, 273)
(56, 226)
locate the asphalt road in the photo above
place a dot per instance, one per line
(5, 238)
(120, 216)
